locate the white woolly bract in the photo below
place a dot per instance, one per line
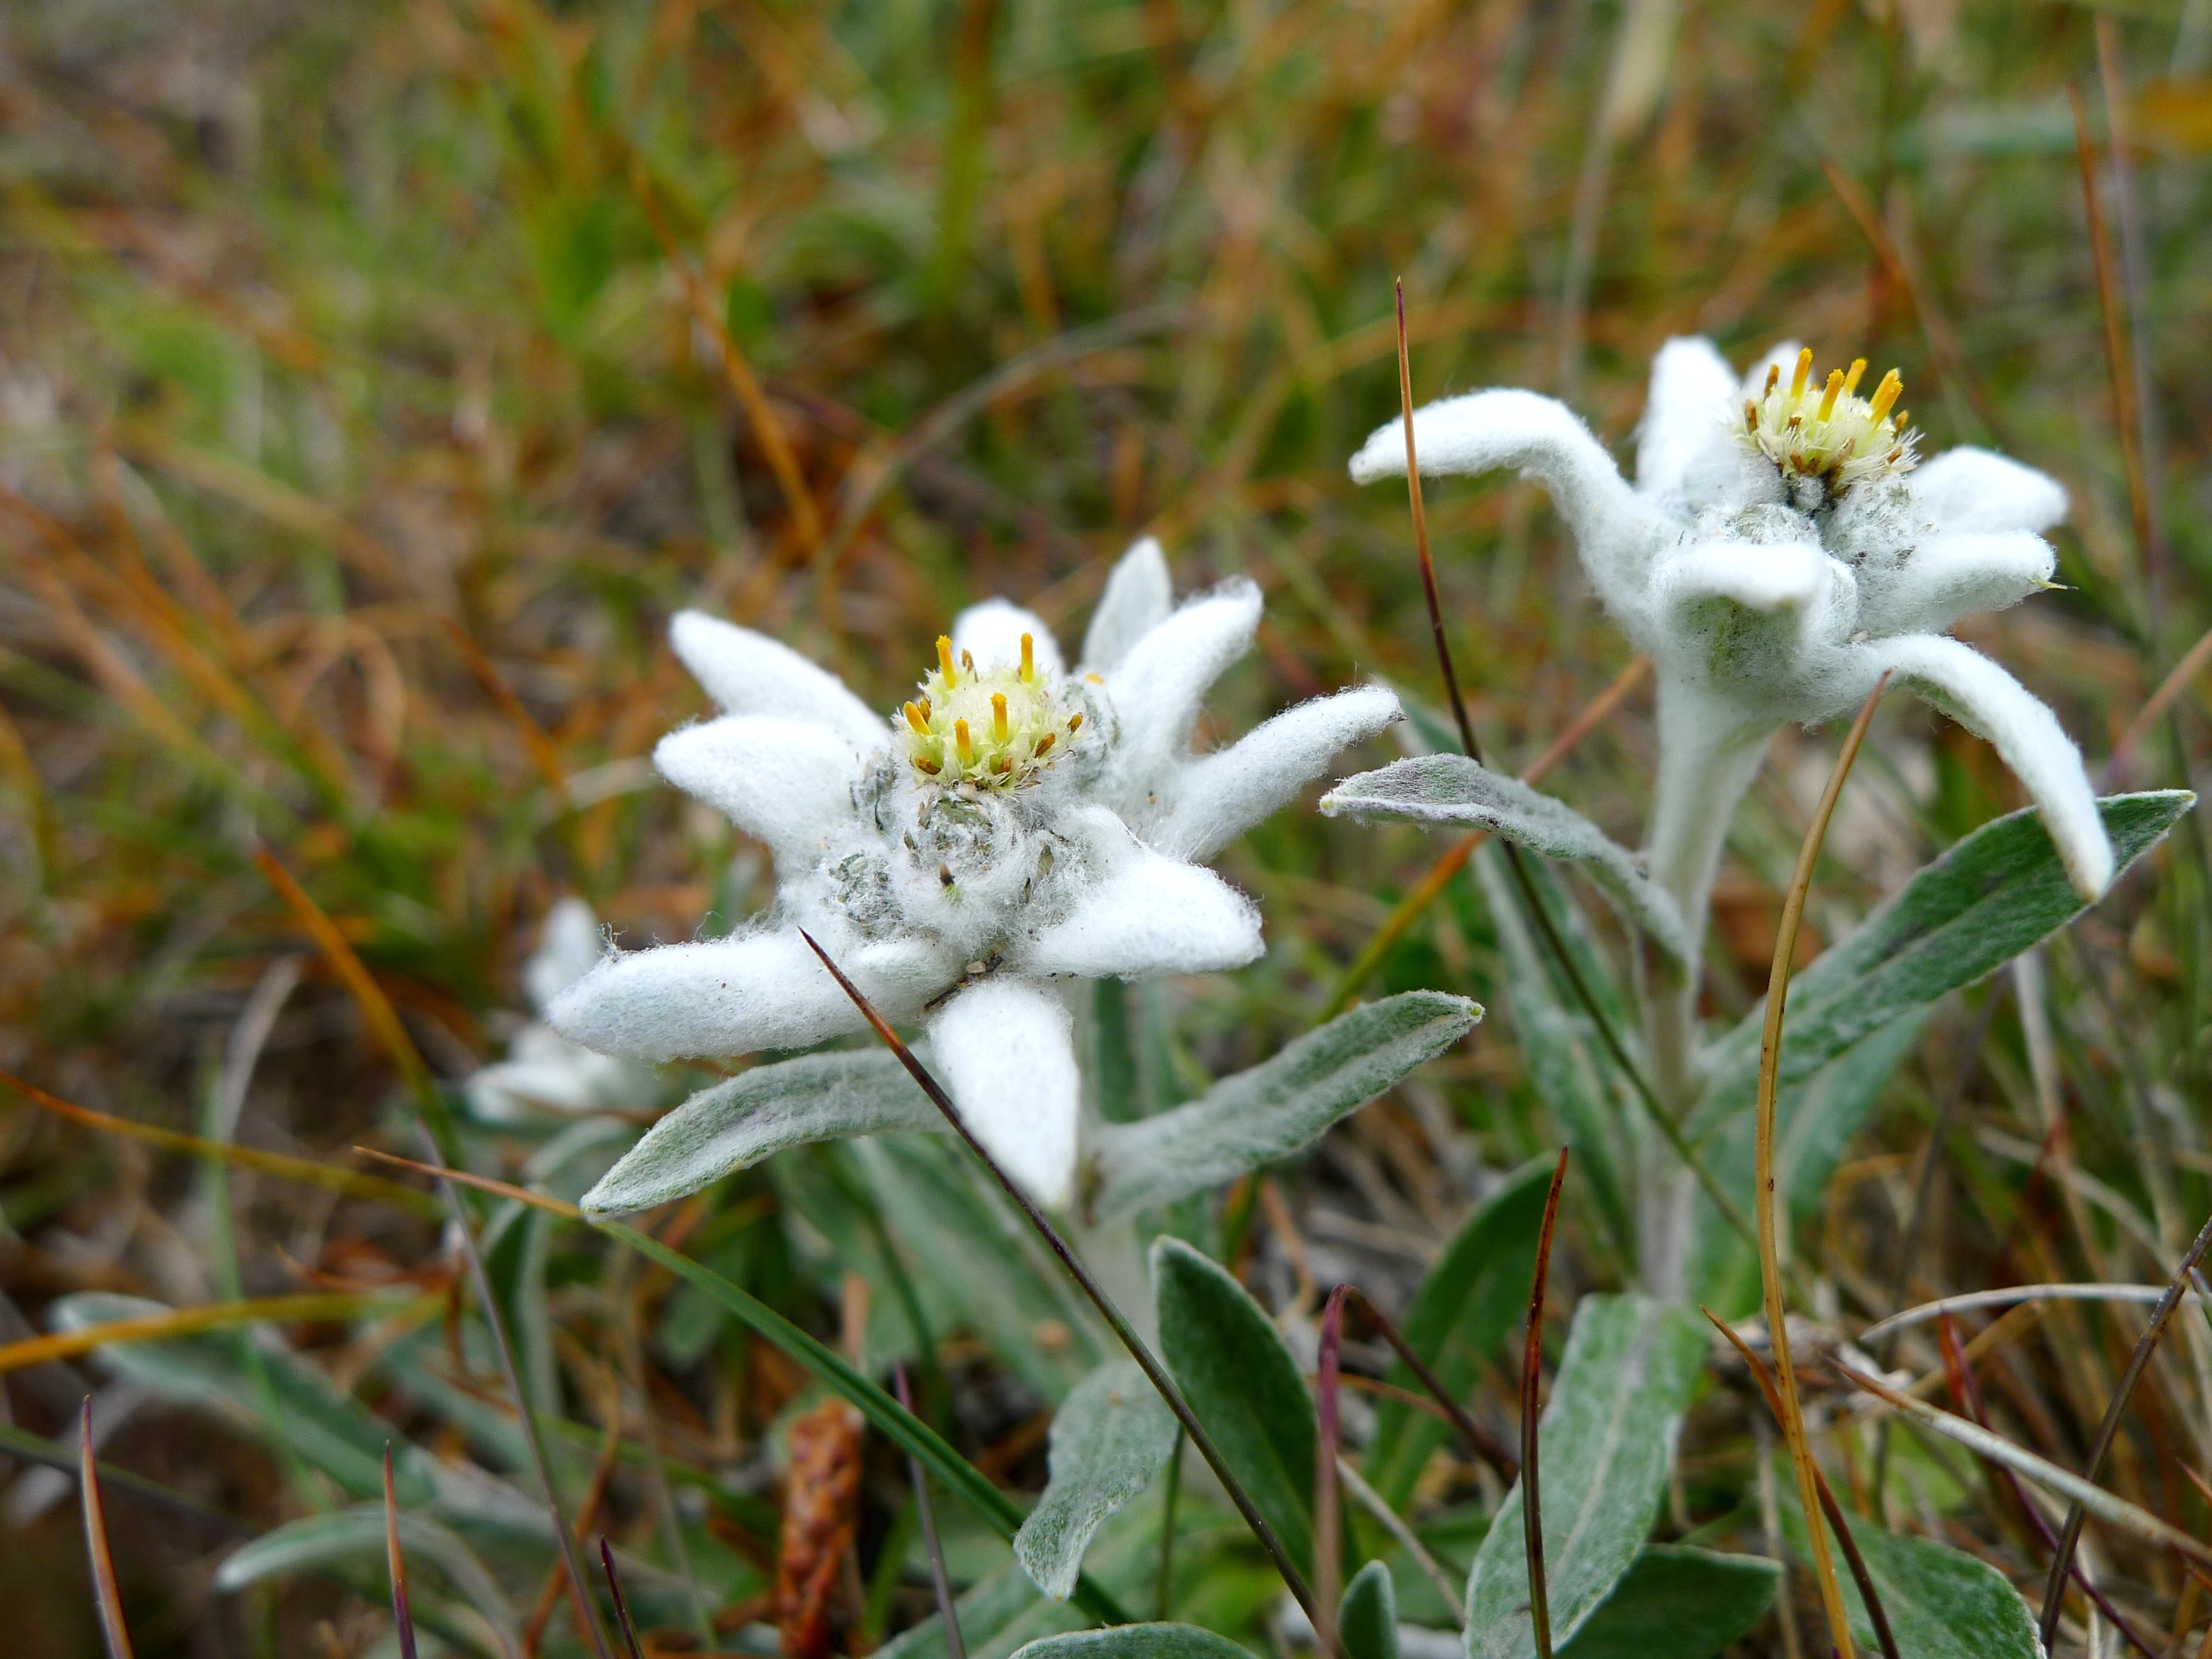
(1005, 1051)
(786, 782)
(750, 673)
(1138, 596)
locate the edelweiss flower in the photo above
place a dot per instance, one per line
(1012, 829)
(1781, 549)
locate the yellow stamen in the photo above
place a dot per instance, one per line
(1773, 377)
(967, 662)
(944, 659)
(1750, 416)
(1851, 379)
(1028, 660)
(917, 719)
(1887, 394)
(928, 766)
(1043, 746)
(1900, 420)
(1804, 373)
(1075, 722)
(965, 743)
(924, 707)
(1835, 390)
(1003, 765)
(998, 717)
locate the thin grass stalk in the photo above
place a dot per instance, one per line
(587, 1623)
(1395, 1524)
(1294, 1580)
(948, 1615)
(1328, 1517)
(1165, 1582)
(2117, 364)
(1532, 1378)
(28, 1448)
(1770, 1261)
(1877, 1615)
(2070, 1535)
(107, 1596)
(622, 1602)
(395, 1565)
(1966, 1390)
(1421, 538)
(1484, 1445)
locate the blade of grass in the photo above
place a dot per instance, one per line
(1770, 1261)
(1966, 1390)
(2070, 1535)
(107, 1597)
(1329, 1519)
(1138, 1350)
(587, 1623)
(1532, 1378)
(1876, 1614)
(1166, 1576)
(900, 1426)
(354, 1185)
(948, 1616)
(395, 1562)
(622, 1602)
(190, 1321)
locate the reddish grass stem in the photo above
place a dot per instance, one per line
(113, 1631)
(1483, 1444)
(395, 1562)
(622, 1602)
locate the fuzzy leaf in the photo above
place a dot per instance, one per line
(1367, 1617)
(1678, 1603)
(356, 1535)
(1566, 1062)
(1246, 1122)
(1456, 790)
(1137, 1641)
(1244, 1385)
(1476, 1293)
(734, 1125)
(1941, 1603)
(1608, 1434)
(1111, 1434)
(1997, 893)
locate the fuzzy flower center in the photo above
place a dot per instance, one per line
(1829, 432)
(996, 727)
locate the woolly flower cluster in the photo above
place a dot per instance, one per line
(1779, 552)
(1014, 829)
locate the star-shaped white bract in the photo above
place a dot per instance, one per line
(1014, 829)
(1781, 549)
(543, 1071)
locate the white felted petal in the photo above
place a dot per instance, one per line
(1138, 596)
(1485, 431)
(1005, 1051)
(1214, 798)
(784, 783)
(723, 998)
(572, 943)
(1985, 699)
(1693, 392)
(1146, 913)
(1758, 575)
(992, 633)
(1948, 577)
(1161, 682)
(750, 673)
(1977, 490)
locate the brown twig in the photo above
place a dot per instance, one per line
(1770, 1261)
(1532, 1378)
(108, 1597)
(2070, 1535)
(1138, 1350)
(395, 1562)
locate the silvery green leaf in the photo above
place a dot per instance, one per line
(1138, 1641)
(1367, 1617)
(1607, 1435)
(1111, 1434)
(1566, 1060)
(1455, 790)
(356, 1535)
(1678, 1603)
(1244, 1384)
(1941, 1603)
(1255, 1117)
(734, 1125)
(1476, 1293)
(1997, 893)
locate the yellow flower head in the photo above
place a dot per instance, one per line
(1828, 432)
(997, 727)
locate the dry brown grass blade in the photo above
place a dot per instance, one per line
(1770, 1260)
(1439, 1401)
(395, 1562)
(546, 1202)
(189, 1321)
(2119, 367)
(107, 1597)
(245, 1157)
(543, 754)
(2169, 688)
(2109, 1429)
(1877, 1615)
(1532, 1377)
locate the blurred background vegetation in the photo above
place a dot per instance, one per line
(377, 376)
